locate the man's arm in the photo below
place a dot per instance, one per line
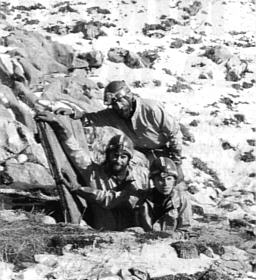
(107, 199)
(75, 153)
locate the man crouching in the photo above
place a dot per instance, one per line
(111, 190)
(164, 203)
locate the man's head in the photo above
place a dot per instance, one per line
(164, 174)
(118, 95)
(119, 152)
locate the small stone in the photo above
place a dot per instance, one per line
(218, 54)
(98, 10)
(238, 223)
(251, 142)
(239, 117)
(157, 83)
(203, 76)
(178, 43)
(229, 206)
(194, 123)
(22, 158)
(186, 134)
(217, 248)
(193, 189)
(193, 9)
(94, 58)
(189, 50)
(247, 157)
(193, 40)
(247, 85)
(67, 9)
(204, 249)
(48, 260)
(237, 86)
(185, 249)
(196, 209)
(226, 146)
(48, 220)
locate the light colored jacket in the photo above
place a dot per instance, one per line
(150, 128)
(110, 203)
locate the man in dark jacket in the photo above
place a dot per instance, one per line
(111, 193)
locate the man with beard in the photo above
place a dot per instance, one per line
(152, 129)
(112, 185)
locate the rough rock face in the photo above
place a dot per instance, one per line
(185, 249)
(129, 58)
(165, 61)
(38, 55)
(36, 63)
(15, 140)
(94, 58)
(28, 175)
(90, 30)
(235, 69)
(218, 54)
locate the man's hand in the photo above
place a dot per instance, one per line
(167, 204)
(64, 111)
(131, 189)
(71, 112)
(47, 116)
(68, 182)
(56, 123)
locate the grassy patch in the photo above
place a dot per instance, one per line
(21, 240)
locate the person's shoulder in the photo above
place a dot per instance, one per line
(150, 104)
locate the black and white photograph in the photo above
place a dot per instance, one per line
(128, 140)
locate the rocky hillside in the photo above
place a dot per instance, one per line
(198, 57)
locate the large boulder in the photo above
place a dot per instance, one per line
(76, 88)
(27, 175)
(185, 249)
(218, 54)
(93, 58)
(16, 139)
(130, 59)
(117, 55)
(11, 102)
(6, 69)
(236, 68)
(90, 30)
(38, 55)
(193, 9)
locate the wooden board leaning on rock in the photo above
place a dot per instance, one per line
(73, 206)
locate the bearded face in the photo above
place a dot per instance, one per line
(122, 107)
(118, 161)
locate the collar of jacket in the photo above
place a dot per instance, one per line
(137, 110)
(128, 178)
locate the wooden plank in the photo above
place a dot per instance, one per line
(73, 206)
